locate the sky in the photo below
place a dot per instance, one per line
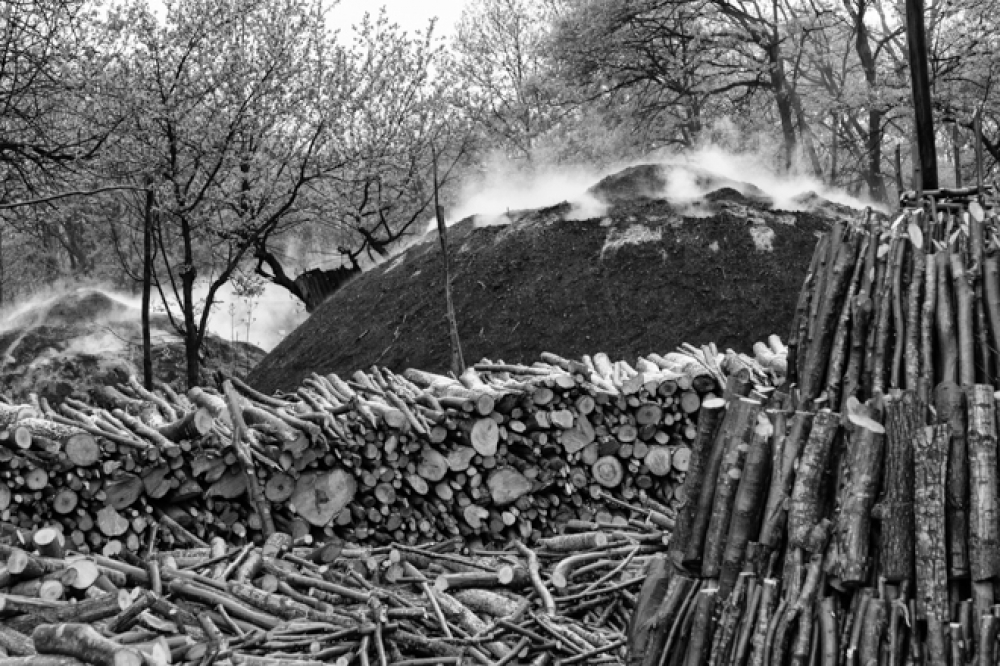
(411, 15)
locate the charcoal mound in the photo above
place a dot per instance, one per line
(646, 274)
(67, 344)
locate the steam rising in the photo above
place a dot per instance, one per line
(506, 186)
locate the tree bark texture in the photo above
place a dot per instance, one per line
(904, 416)
(984, 531)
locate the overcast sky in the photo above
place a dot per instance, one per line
(411, 15)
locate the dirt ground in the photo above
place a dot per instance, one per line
(643, 277)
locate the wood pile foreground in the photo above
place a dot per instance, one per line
(851, 518)
(567, 601)
(503, 453)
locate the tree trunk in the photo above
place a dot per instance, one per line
(783, 99)
(188, 275)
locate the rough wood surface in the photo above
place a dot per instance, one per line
(930, 456)
(984, 531)
(949, 401)
(736, 436)
(904, 420)
(864, 468)
(806, 506)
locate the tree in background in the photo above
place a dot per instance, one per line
(500, 60)
(53, 124)
(232, 108)
(380, 191)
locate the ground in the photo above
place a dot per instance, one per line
(645, 275)
(67, 344)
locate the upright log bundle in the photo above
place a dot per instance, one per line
(873, 538)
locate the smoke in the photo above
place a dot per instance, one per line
(505, 185)
(262, 316)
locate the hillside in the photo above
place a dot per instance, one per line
(643, 274)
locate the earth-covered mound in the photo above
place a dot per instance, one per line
(635, 269)
(67, 344)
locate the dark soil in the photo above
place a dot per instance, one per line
(544, 283)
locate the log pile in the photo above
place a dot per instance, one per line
(567, 601)
(502, 453)
(851, 516)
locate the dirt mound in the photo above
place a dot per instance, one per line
(67, 344)
(645, 276)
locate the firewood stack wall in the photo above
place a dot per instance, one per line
(504, 452)
(851, 516)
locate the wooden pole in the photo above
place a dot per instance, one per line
(833, 148)
(457, 361)
(978, 126)
(147, 285)
(920, 83)
(899, 170)
(957, 152)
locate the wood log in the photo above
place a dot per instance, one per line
(507, 485)
(709, 420)
(607, 471)
(864, 462)
(735, 424)
(806, 509)
(84, 643)
(949, 401)
(320, 496)
(813, 373)
(748, 424)
(948, 342)
(780, 489)
(748, 504)
(962, 281)
(193, 425)
(904, 419)
(984, 531)
(931, 455)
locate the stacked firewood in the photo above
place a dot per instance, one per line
(566, 601)
(504, 452)
(851, 516)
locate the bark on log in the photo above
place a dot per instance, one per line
(949, 402)
(864, 469)
(931, 455)
(709, 421)
(84, 643)
(782, 478)
(813, 374)
(736, 437)
(747, 508)
(805, 510)
(984, 531)
(904, 420)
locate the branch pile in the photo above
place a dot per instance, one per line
(565, 602)
(851, 516)
(503, 453)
